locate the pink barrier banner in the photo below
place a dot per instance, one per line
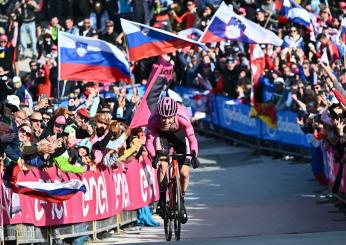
(109, 192)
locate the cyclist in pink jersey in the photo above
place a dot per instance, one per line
(169, 126)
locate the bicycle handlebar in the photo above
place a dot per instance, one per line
(194, 160)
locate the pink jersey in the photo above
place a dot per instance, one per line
(182, 120)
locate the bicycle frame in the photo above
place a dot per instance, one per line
(173, 172)
(172, 211)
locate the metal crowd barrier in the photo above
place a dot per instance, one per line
(25, 233)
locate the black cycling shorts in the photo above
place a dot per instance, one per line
(178, 141)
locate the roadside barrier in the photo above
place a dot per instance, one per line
(227, 119)
(111, 201)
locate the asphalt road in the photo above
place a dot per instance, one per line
(240, 198)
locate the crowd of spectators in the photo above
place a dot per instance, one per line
(93, 130)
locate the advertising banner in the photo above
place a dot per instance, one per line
(235, 117)
(287, 131)
(108, 192)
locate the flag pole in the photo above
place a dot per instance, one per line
(59, 58)
(268, 19)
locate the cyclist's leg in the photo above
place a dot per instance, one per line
(161, 144)
(181, 146)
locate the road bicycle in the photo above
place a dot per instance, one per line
(172, 212)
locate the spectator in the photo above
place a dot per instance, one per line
(293, 41)
(36, 123)
(25, 134)
(86, 29)
(231, 71)
(53, 29)
(260, 17)
(7, 55)
(22, 93)
(9, 139)
(69, 27)
(27, 10)
(142, 11)
(190, 18)
(110, 35)
(99, 18)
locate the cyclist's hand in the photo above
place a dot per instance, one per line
(194, 160)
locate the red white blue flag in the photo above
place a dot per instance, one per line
(192, 33)
(227, 25)
(290, 10)
(51, 192)
(144, 41)
(89, 59)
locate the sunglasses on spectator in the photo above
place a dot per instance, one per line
(36, 120)
(57, 125)
(109, 25)
(25, 132)
(85, 119)
(293, 30)
(45, 118)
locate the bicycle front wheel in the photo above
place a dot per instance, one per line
(177, 209)
(167, 222)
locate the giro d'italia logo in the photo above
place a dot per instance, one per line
(234, 29)
(81, 49)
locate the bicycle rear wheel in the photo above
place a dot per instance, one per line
(177, 209)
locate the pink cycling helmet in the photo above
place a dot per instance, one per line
(167, 107)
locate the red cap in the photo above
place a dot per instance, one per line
(54, 47)
(3, 37)
(342, 5)
(83, 112)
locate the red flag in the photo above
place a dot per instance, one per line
(257, 62)
(265, 112)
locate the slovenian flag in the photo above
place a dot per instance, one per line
(227, 25)
(290, 10)
(50, 192)
(89, 59)
(191, 33)
(144, 41)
